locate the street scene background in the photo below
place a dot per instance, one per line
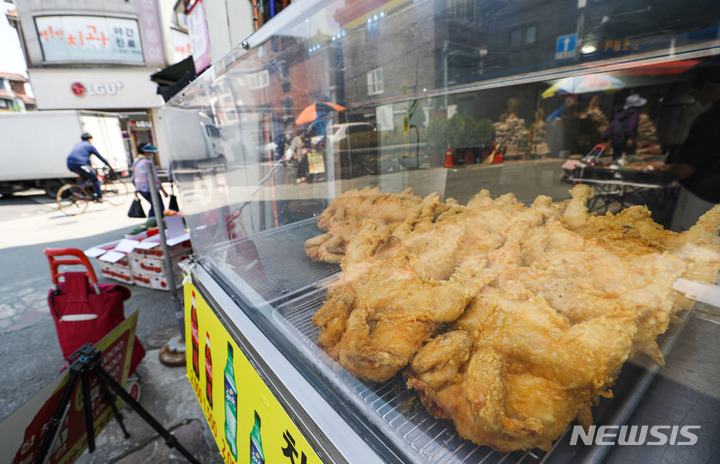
(31, 222)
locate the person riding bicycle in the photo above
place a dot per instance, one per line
(78, 161)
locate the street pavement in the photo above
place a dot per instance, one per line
(30, 222)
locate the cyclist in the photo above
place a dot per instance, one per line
(78, 161)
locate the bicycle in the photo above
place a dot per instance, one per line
(73, 199)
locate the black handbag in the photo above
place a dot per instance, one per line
(173, 206)
(136, 210)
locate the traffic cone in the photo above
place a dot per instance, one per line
(449, 159)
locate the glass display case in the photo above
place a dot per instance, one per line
(293, 156)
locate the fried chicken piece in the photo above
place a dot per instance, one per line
(344, 216)
(533, 310)
(494, 400)
(396, 290)
(529, 374)
(388, 312)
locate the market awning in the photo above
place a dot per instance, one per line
(174, 78)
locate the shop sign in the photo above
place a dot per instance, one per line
(95, 89)
(150, 29)
(182, 47)
(248, 423)
(200, 42)
(141, 124)
(21, 434)
(89, 38)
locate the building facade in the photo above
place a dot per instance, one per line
(14, 93)
(99, 55)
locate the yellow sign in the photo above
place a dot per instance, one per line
(247, 421)
(316, 163)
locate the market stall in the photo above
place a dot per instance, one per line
(374, 318)
(640, 180)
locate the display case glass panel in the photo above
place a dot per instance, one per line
(450, 97)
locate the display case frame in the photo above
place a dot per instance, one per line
(249, 213)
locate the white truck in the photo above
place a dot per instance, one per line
(36, 144)
(196, 141)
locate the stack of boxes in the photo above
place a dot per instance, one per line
(148, 265)
(140, 260)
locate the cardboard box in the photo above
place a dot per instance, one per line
(150, 272)
(119, 270)
(113, 264)
(157, 280)
(139, 259)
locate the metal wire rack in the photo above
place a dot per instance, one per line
(296, 287)
(400, 409)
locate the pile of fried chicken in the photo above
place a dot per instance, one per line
(508, 320)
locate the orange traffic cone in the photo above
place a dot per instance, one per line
(449, 159)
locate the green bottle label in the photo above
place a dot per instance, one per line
(230, 404)
(256, 451)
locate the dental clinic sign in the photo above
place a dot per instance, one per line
(93, 89)
(89, 39)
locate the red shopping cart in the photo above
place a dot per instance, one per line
(84, 310)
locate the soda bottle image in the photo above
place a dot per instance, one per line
(256, 451)
(208, 371)
(230, 403)
(195, 339)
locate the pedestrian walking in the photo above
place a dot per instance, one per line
(142, 168)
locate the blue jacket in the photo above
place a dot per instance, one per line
(80, 155)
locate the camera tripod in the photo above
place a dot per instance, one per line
(84, 361)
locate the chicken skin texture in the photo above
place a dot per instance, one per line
(508, 320)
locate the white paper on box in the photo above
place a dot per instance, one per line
(147, 244)
(94, 252)
(179, 239)
(126, 245)
(112, 256)
(175, 227)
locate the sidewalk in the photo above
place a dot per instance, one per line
(30, 349)
(166, 394)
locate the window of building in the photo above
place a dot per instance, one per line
(3, 103)
(372, 29)
(259, 80)
(285, 76)
(462, 10)
(525, 35)
(530, 35)
(2, 83)
(287, 108)
(516, 38)
(375, 81)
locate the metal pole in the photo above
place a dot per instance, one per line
(157, 207)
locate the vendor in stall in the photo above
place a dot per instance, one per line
(697, 161)
(622, 130)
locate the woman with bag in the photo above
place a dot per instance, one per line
(141, 168)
